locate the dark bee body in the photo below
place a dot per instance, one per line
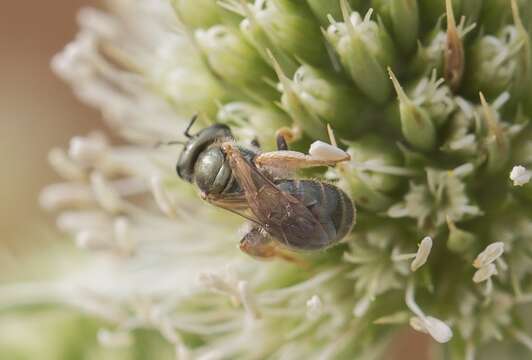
(299, 214)
(330, 205)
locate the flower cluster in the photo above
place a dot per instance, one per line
(434, 115)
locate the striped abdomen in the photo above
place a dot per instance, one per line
(330, 205)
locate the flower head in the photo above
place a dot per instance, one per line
(430, 163)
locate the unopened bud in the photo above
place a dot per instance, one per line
(495, 62)
(332, 101)
(402, 17)
(496, 141)
(294, 105)
(197, 13)
(284, 22)
(234, 60)
(253, 122)
(365, 50)
(416, 124)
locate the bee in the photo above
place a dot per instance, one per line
(285, 214)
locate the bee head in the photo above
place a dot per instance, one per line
(196, 144)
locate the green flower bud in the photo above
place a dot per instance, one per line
(365, 50)
(434, 51)
(251, 122)
(203, 14)
(435, 97)
(189, 87)
(323, 8)
(198, 13)
(332, 101)
(402, 17)
(429, 55)
(416, 124)
(288, 26)
(495, 62)
(257, 36)
(292, 103)
(234, 60)
(459, 241)
(496, 141)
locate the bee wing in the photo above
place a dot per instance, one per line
(279, 213)
(235, 203)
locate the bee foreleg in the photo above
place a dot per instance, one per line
(293, 160)
(259, 244)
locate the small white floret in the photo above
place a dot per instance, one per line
(484, 273)
(422, 253)
(489, 255)
(320, 150)
(439, 330)
(520, 175)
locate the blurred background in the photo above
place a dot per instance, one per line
(39, 112)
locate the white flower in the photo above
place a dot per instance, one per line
(489, 255)
(440, 331)
(422, 253)
(520, 175)
(419, 258)
(484, 273)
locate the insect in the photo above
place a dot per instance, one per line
(285, 214)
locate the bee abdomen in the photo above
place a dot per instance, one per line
(329, 204)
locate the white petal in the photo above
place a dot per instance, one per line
(484, 273)
(440, 331)
(323, 151)
(520, 175)
(422, 253)
(489, 255)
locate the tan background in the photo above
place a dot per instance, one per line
(38, 112)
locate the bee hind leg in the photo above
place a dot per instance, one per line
(294, 160)
(259, 244)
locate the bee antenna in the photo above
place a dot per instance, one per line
(190, 124)
(174, 142)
